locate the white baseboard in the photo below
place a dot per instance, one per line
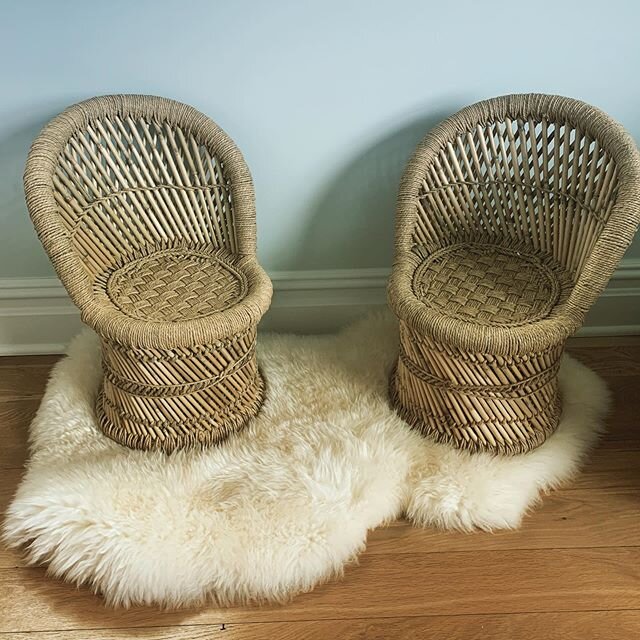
(37, 317)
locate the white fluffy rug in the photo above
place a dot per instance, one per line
(281, 506)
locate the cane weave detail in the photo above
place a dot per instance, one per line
(486, 284)
(180, 396)
(176, 285)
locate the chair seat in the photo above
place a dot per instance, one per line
(488, 284)
(175, 285)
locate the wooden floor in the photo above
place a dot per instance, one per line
(572, 571)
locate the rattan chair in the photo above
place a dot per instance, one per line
(146, 209)
(512, 216)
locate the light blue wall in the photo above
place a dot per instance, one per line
(325, 98)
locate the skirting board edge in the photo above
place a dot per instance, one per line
(37, 316)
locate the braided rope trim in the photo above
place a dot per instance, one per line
(86, 209)
(475, 359)
(521, 389)
(143, 355)
(470, 437)
(445, 422)
(204, 421)
(200, 434)
(525, 186)
(162, 391)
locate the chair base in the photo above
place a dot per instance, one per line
(178, 398)
(478, 402)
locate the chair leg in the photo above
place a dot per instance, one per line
(171, 399)
(473, 401)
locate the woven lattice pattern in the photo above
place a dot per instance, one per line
(486, 284)
(179, 397)
(478, 401)
(521, 178)
(141, 181)
(146, 208)
(176, 285)
(512, 216)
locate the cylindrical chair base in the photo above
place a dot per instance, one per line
(474, 401)
(183, 397)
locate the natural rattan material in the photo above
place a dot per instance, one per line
(512, 216)
(181, 396)
(176, 285)
(146, 208)
(487, 284)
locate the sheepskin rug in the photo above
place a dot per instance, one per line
(284, 504)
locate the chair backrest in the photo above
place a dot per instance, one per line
(117, 176)
(548, 172)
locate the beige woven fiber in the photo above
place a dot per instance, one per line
(512, 216)
(147, 211)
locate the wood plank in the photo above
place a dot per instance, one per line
(609, 361)
(564, 557)
(567, 519)
(610, 357)
(24, 381)
(570, 625)
(581, 518)
(612, 477)
(10, 559)
(604, 341)
(622, 422)
(27, 383)
(9, 362)
(16, 415)
(386, 585)
(15, 418)
(9, 479)
(610, 467)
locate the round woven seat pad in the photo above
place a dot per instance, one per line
(487, 284)
(282, 505)
(176, 284)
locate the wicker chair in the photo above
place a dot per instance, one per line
(146, 209)
(512, 216)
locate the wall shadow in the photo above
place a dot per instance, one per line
(352, 224)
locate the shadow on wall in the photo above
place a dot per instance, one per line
(22, 254)
(352, 224)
